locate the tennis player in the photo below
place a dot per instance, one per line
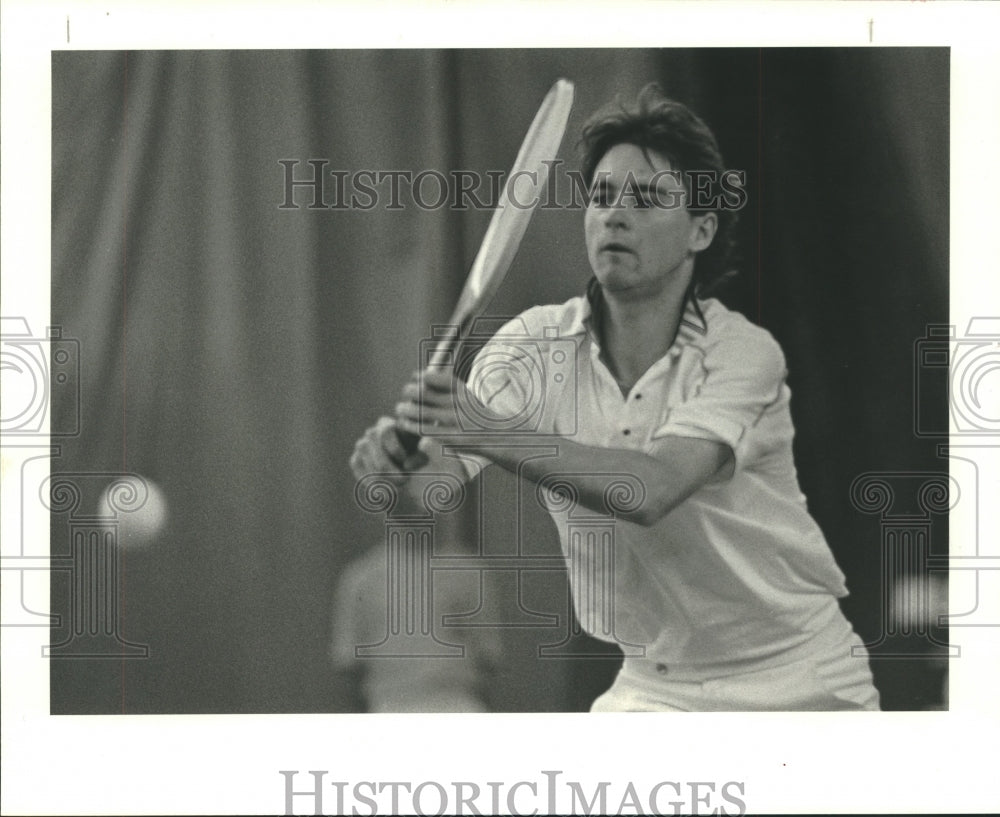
(718, 571)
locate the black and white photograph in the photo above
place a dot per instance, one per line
(420, 425)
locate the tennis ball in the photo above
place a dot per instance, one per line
(139, 505)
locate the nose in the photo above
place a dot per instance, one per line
(615, 217)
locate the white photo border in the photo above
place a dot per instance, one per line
(887, 762)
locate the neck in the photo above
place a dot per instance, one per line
(637, 333)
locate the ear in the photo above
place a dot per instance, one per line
(703, 227)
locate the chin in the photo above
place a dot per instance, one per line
(611, 275)
(622, 290)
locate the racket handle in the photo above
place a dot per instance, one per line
(408, 440)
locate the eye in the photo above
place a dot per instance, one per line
(634, 199)
(599, 196)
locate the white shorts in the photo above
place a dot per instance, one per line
(825, 677)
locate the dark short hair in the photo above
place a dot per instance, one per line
(655, 123)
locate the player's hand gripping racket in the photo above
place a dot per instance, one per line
(522, 192)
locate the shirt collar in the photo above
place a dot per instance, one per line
(693, 325)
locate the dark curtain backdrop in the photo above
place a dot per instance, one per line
(232, 350)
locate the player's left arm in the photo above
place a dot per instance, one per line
(680, 467)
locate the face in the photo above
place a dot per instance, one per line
(641, 239)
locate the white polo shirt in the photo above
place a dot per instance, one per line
(739, 572)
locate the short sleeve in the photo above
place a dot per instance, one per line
(508, 379)
(519, 379)
(734, 382)
(496, 382)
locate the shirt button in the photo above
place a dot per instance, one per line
(626, 432)
(661, 668)
(638, 397)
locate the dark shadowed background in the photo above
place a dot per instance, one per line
(232, 350)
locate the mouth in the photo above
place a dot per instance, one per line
(614, 246)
